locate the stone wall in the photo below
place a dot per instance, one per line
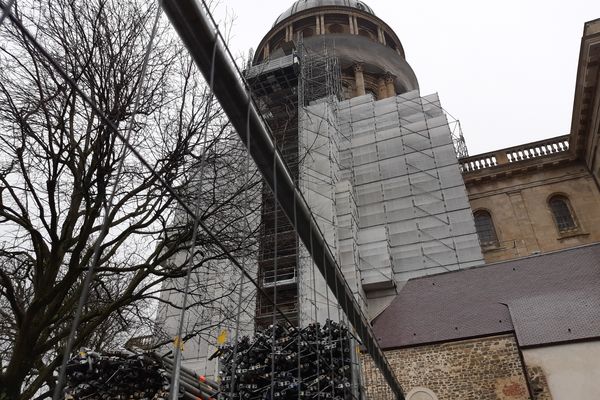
(479, 369)
(518, 203)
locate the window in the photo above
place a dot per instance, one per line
(485, 228)
(307, 32)
(365, 33)
(372, 93)
(336, 28)
(563, 215)
(421, 394)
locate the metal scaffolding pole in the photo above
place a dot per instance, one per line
(201, 38)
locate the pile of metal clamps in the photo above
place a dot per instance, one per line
(311, 363)
(123, 376)
(95, 376)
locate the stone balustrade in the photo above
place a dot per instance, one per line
(529, 151)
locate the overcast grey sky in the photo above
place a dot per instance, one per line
(505, 69)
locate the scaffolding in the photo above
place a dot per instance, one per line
(320, 75)
(274, 87)
(282, 88)
(460, 144)
(413, 209)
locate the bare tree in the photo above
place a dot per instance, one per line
(59, 163)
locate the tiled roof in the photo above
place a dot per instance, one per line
(545, 299)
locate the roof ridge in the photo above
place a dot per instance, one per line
(529, 257)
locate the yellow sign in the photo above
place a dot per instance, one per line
(177, 342)
(222, 338)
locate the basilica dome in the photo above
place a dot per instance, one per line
(302, 5)
(368, 51)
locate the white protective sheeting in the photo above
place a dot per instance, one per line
(400, 210)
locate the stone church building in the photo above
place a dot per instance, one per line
(526, 325)
(480, 274)
(516, 318)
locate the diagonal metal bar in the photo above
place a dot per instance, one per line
(198, 34)
(125, 140)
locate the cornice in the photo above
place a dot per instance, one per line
(587, 91)
(320, 10)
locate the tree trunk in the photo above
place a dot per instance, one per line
(21, 361)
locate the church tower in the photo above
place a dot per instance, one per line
(374, 159)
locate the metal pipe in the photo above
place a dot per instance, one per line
(197, 385)
(191, 378)
(193, 390)
(200, 378)
(197, 33)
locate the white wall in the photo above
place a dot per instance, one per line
(572, 371)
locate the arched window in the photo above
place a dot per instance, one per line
(307, 32)
(336, 28)
(372, 93)
(485, 228)
(365, 33)
(562, 212)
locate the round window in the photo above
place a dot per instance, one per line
(421, 394)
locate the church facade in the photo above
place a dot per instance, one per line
(527, 327)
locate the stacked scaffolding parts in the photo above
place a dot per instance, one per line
(291, 350)
(108, 376)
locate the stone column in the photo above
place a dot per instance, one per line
(351, 22)
(389, 82)
(381, 35)
(382, 90)
(360, 79)
(323, 30)
(318, 25)
(267, 52)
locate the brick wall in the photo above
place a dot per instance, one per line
(480, 369)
